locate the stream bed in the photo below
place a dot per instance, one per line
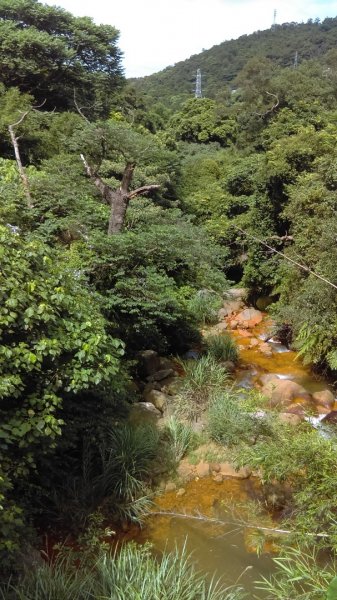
(220, 535)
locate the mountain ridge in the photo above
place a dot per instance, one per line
(221, 64)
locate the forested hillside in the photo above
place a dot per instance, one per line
(221, 64)
(123, 222)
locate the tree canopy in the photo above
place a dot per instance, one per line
(52, 55)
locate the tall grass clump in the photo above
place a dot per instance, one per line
(132, 573)
(204, 307)
(127, 457)
(306, 462)
(301, 573)
(230, 421)
(181, 438)
(58, 581)
(222, 347)
(114, 475)
(202, 378)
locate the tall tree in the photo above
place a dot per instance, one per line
(48, 52)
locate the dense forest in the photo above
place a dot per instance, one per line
(282, 44)
(123, 221)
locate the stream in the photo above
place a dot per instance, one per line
(218, 537)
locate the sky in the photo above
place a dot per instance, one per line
(157, 33)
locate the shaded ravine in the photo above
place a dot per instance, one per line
(221, 534)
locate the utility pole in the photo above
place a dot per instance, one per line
(198, 93)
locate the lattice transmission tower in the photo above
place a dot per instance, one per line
(274, 19)
(296, 60)
(198, 92)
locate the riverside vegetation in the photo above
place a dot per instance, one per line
(123, 222)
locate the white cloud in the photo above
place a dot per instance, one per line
(158, 33)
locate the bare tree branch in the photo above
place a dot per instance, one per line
(80, 108)
(142, 190)
(275, 105)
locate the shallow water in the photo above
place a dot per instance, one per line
(222, 549)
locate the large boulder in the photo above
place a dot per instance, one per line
(324, 398)
(282, 392)
(185, 470)
(157, 398)
(249, 317)
(232, 306)
(222, 313)
(160, 375)
(144, 412)
(149, 362)
(202, 469)
(228, 470)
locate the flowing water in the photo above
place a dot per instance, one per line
(220, 535)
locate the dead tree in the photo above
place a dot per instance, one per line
(117, 199)
(22, 172)
(15, 140)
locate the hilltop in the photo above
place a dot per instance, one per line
(221, 64)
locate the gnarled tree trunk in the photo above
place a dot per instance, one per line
(119, 199)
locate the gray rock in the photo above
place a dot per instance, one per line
(159, 375)
(158, 399)
(229, 366)
(144, 412)
(222, 313)
(149, 362)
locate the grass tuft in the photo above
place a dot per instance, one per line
(222, 347)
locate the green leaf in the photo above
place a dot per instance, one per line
(332, 590)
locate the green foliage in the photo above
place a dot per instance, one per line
(204, 306)
(300, 573)
(49, 52)
(332, 590)
(181, 438)
(307, 465)
(127, 457)
(53, 345)
(131, 573)
(113, 476)
(199, 122)
(231, 420)
(203, 378)
(222, 347)
(222, 63)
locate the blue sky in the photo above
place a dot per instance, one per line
(158, 33)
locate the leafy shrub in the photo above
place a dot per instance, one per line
(222, 347)
(307, 465)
